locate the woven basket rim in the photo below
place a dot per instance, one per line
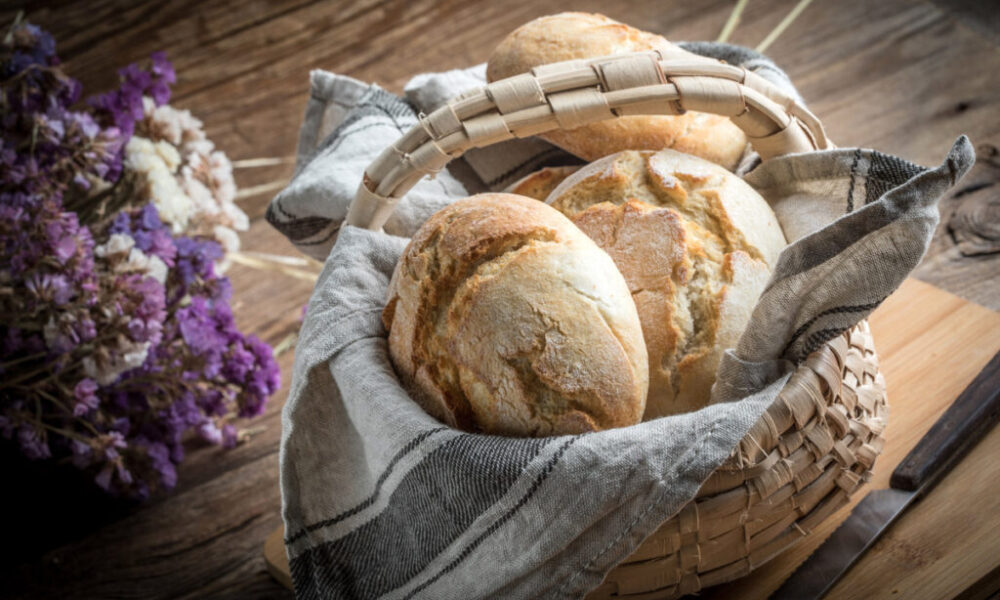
(568, 94)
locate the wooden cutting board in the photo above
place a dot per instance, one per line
(931, 344)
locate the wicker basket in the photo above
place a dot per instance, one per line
(816, 444)
(812, 449)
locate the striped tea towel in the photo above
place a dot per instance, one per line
(382, 501)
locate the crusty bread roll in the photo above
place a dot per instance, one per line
(574, 35)
(734, 212)
(505, 318)
(695, 244)
(539, 185)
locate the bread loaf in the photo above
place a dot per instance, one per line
(505, 318)
(695, 244)
(575, 35)
(539, 185)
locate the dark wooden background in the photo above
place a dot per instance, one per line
(904, 76)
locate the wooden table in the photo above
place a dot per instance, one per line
(904, 76)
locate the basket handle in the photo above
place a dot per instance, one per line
(569, 94)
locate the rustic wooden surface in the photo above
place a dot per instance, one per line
(904, 76)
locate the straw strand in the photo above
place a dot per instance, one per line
(733, 21)
(783, 25)
(263, 188)
(264, 265)
(254, 163)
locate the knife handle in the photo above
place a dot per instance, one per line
(966, 421)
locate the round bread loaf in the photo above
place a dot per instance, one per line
(695, 244)
(576, 35)
(505, 318)
(539, 185)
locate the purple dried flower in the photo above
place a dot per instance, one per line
(122, 108)
(159, 458)
(229, 436)
(111, 443)
(195, 259)
(86, 399)
(47, 146)
(239, 362)
(210, 432)
(81, 454)
(103, 477)
(46, 287)
(162, 68)
(197, 326)
(32, 444)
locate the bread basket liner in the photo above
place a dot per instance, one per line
(381, 500)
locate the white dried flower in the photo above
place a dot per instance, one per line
(198, 146)
(169, 154)
(140, 155)
(51, 332)
(227, 238)
(167, 123)
(153, 162)
(140, 262)
(190, 183)
(221, 171)
(126, 356)
(208, 181)
(118, 243)
(238, 219)
(158, 269)
(126, 258)
(199, 193)
(171, 202)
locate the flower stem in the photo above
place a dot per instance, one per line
(9, 364)
(59, 403)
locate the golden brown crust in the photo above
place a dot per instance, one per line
(672, 224)
(504, 318)
(576, 35)
(539, 185)
(707, 194)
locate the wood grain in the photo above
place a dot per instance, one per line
(981, 17)
(276, 558)
(904, 76)
(965, 251)
(969, 418)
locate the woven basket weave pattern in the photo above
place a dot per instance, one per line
(817, 443)
(812, 449)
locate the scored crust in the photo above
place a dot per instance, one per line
(577, 35)
(711, 196)
(504, 318)
(694, 246)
